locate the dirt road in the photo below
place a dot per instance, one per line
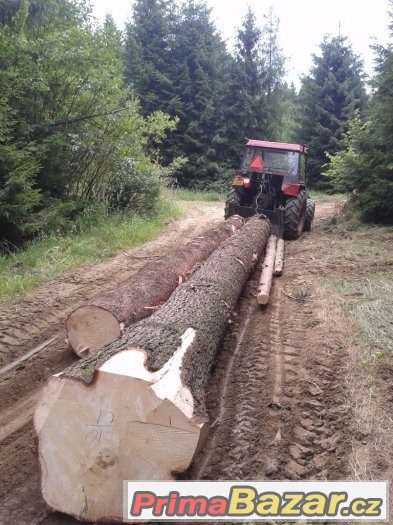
(283, 397)
(35, 323)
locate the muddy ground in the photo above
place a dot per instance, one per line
(290, 396)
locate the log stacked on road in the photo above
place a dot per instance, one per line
(265, 282)
(136, 409)
(99, 322)
(279, 262)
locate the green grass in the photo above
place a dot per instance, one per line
(367, 293)
(215, 196)
(321, 196)
(372, 307)
(193, 195)
(44, 259)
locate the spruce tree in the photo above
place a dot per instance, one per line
(199, 63)
(177, 63)
(249, 81)
(113, 36)
(273, 72)
(148, 54)
(258, 77)
(365, 166)
(288, 113)
(328, 97)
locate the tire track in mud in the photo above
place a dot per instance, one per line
(247, 429)
(281, 372)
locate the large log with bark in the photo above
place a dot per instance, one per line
(136, 409)
(100, 321)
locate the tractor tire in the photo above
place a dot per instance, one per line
(233, 198)
(309, 215)
(294, 218)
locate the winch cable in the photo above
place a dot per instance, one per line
(261, 188)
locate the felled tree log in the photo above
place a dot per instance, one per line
(265, 282)
(136, 409)
(99, 322)
(279, 261)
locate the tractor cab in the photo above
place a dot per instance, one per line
(271, 175)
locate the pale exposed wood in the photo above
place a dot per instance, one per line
(98, 323)
(265, 282)
(279, 262)
(91, 327)
(137, 408)
(130, 424)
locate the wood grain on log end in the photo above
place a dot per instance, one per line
(91, 327)
(130, 424)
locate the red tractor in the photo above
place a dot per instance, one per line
(271, 181)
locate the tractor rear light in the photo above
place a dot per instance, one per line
(241, 181)
(238, 181)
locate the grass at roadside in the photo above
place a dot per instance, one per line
(371, 304)
(321, 196)
(214, 196)
(41, 260)
(193, 195)
(363, 261)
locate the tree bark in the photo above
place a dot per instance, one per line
(99, 322)
(265, 282)
(136, 409)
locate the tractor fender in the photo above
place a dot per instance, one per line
(290, 189)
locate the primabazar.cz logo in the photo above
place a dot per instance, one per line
(256, 500)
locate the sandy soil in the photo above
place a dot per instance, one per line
(287, 398)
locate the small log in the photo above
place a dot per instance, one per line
(265, 282)
(99, 322)
(279, 262)
(136, 409)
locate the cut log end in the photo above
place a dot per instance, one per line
(263, 298)
(89, 328)
(130, 424)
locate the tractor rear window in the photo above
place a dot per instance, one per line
(274, 162)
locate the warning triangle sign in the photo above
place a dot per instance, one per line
(256, 164)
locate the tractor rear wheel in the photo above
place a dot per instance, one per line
(295, 215)
(232, 199)
(309, 215)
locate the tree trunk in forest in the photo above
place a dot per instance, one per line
(99, 322)
(265, 282)
(279, 262)
(136, 409)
